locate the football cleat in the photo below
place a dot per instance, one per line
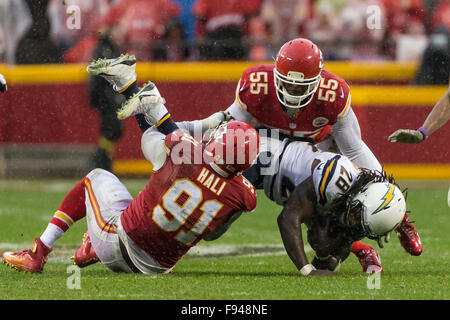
(85, 255)
(28, 261)
(409, 238)
(145, 101)
(119, 72)
(369, 260)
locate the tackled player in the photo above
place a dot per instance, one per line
(339, 203)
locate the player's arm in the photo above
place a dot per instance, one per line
(3, 85)
(298, 209)
(236, 111)
(196, 127)
(220, 230)
(347, 134)
(438, 116)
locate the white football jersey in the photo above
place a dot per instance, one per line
(291, 165)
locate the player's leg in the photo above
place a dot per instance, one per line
(106, 198)
(145, 104)
(71, 209)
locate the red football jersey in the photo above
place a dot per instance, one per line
(256, 93)
(182, 202)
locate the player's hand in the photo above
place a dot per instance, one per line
(323, 236)
(3, 86)
(407, 136)
(386, 238)
(321, 272)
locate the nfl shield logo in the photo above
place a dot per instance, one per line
(320, 122)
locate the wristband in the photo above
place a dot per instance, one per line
(306, 269)
(424, 132)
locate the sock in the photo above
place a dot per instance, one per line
(71, 209)
(140, 118)
(143, 125)
(51, 234)
(357, 246)
(132, 89)
(166, 125)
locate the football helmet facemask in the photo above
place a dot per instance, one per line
(298, 65)
(375, 211)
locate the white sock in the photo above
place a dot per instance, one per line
(51, 234)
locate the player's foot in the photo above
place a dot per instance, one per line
(369, 260)
(409, 238)
(28, 261)
(85, 255)
(119, 72)
(142, 102)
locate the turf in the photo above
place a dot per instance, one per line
(247, 263)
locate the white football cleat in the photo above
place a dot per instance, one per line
(146, 101)
(119, 72)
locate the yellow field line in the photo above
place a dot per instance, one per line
(400, 171)
(199, 71)
(419, 171)
(396, 95)
(362, 95)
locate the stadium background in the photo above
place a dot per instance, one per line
(48, 128)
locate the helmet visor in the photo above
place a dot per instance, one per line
(354, 220)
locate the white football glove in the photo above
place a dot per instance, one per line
(215, 120)
(386, 237)
(407, 136)
(3, 86)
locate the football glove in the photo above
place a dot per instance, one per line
(3, 86)
(215, 120)
(408, 136)
(386, 237)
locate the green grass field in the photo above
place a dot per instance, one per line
(247, 263)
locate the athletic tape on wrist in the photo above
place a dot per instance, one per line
(424, 132)
(306, 269)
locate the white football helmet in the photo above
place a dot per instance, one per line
(382, 208)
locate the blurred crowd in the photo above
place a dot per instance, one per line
(48, 31)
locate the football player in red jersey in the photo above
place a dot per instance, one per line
(304, 101)
(195, 192)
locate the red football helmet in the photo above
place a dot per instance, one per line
(233, 148)
(297, 72)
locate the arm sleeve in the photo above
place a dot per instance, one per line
(347, 134)
(153, 147)
(197, 128)
(238, 113)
